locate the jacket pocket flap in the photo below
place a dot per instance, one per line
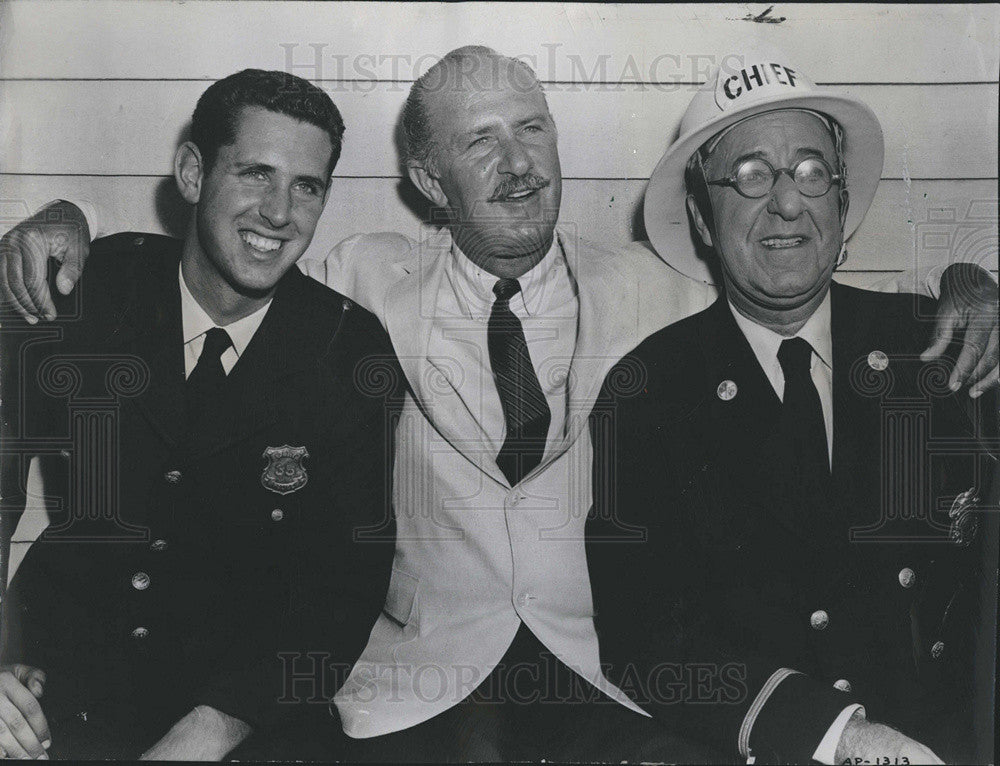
(399, 600)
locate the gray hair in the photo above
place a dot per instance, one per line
(449, 72)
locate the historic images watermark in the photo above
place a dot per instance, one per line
(566, 71)
(314, 677)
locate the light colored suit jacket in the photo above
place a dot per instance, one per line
(474, 556)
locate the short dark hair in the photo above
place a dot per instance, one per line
(419, 143)
(217, 113)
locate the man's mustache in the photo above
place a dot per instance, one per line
(507, 187)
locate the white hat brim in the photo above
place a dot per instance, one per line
(665, 207)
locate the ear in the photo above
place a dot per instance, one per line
(428, 184)
(699, 221)
(189, 170)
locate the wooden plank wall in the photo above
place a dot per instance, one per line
(95, 95)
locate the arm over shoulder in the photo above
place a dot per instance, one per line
(362, 267)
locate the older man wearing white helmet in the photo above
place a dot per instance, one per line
(803, 551)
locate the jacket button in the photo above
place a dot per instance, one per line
(277, 514)
(173, 477)
(819, 619)
(140, 581)
(726, 391)
(140, 633)
(158, 545)
(937, 649)
(842, 685)
(138, 241)
(907, 577)
(523, 599)
(878, 360)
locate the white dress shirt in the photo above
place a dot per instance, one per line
(765, 344)
(196, 323)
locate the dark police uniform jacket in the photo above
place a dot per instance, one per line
(707, 580)
(194, 569)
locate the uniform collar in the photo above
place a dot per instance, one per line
(766, 342)
(545, 286)
(196, 322)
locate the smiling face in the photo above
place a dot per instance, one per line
(495, 166)
(777, 252)
(257, 209)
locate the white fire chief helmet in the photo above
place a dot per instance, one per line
(744, 85)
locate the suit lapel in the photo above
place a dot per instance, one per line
(856, 414)
(744, 412)
(413, 322)
(600, 335)
(149, 326)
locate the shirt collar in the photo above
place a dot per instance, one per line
(766, 342)
(196, 322)
(540, 286)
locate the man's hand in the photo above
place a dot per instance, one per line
(873, 742)
(968, 302)
(24, 732)
(204, 734)
(58, 231)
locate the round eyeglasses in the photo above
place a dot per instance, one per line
(755, 178)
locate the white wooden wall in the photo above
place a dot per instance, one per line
(94, 96)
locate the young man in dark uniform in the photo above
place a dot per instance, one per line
(213, 432)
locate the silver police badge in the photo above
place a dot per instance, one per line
(964, 523)
(284, 473)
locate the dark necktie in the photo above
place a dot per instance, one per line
(207, 380)
(803, 427)
(525, 411)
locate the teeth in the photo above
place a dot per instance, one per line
(257, 242)
(521, 194)
(778, 243)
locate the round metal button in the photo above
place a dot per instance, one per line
(277, 514)
(937, 649)
(158, 545)
(907, 577)
(842, 685)
(727, 390)
(138, 241)
(877, 360)
(173, 477)
(140, 581)
(819, 619)
(140, 633)
(522, 599)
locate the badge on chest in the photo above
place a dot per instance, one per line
(285, 472)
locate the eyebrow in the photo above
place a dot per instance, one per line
(760, 155)
(255, 166)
